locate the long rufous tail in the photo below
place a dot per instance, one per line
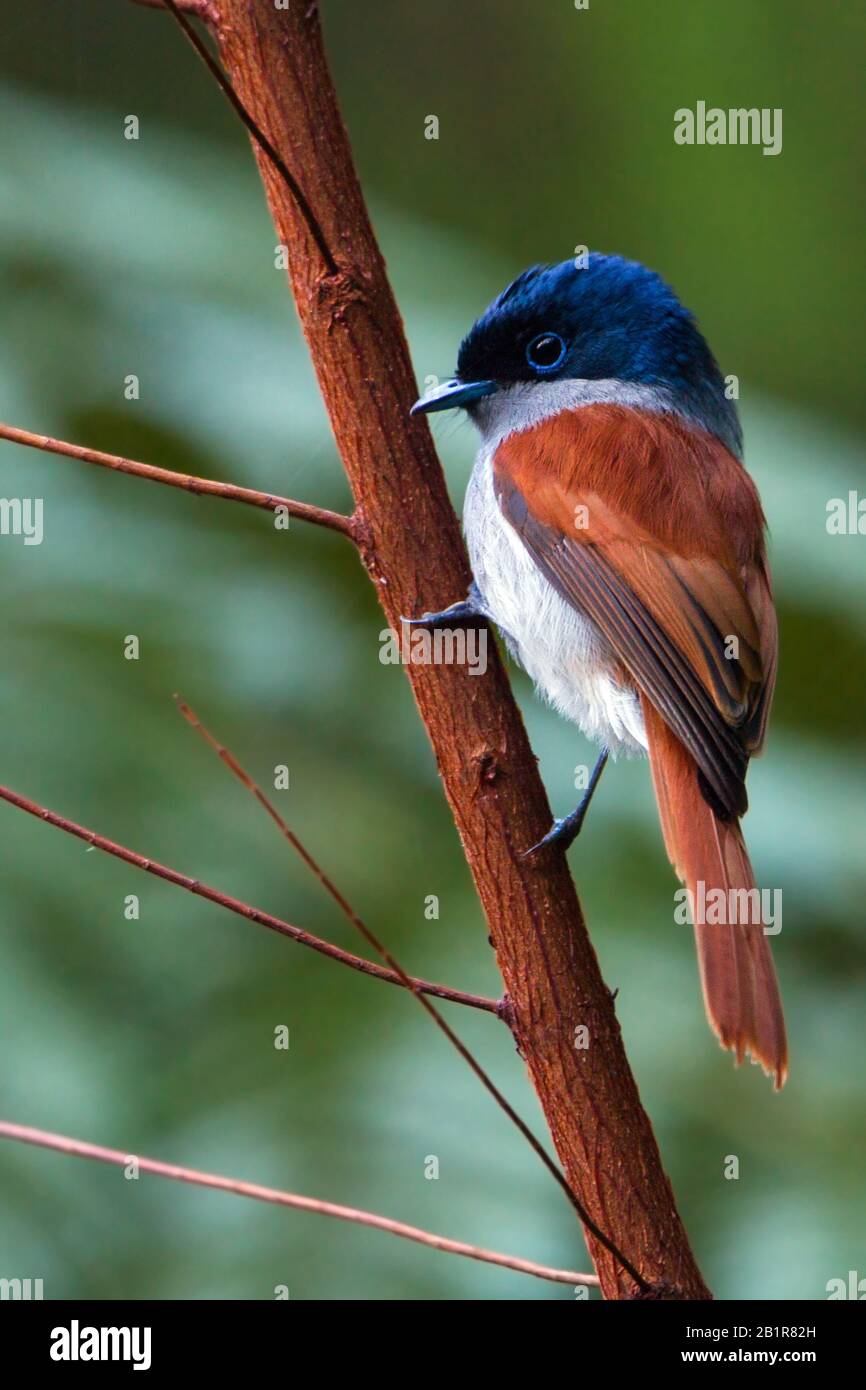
(741, 993)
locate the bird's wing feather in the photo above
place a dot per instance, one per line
(631, 518)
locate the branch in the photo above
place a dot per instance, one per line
(229, 492)
(252, 914)
(202, 9)
(234, 767)
(24, 1134)
(412, 549)
(357, 922)
(255, 131)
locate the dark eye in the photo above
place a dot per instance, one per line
(546, 352)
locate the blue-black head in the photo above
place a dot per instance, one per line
(611, 319)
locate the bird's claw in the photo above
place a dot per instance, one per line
(563, 833)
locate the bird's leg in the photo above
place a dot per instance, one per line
(466, 610)
(564, 832)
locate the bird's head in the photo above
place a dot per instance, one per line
(611, 321)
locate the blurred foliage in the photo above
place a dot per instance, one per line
(156, 257)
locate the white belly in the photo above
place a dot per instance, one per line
(563, 652)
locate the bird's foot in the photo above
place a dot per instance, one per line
(562, 833)
(467, 610)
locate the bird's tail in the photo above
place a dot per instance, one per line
(741, 993)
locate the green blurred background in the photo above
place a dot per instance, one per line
(156, 257)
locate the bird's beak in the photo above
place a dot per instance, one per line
(453, 393)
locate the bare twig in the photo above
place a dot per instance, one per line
(457, 1043)
(60, 1143)
(258, 135)
(252, 914)
(243, 777)
(229, 492)
(202, 9)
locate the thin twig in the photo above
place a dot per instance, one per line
(252, 914)
(229, 492)
(244, 777)
(486, 1080)
(202, 9)
(60, 1143)
(258, 135)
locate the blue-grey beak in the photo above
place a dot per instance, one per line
(453, 393)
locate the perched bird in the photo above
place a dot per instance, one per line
(617, 541)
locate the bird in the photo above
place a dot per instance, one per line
(618, 543)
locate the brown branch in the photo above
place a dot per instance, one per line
(369, 936)
(410, 543)
(229, 492)
(252, 914)
(60, 1143)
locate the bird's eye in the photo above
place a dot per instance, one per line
(546, 352)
